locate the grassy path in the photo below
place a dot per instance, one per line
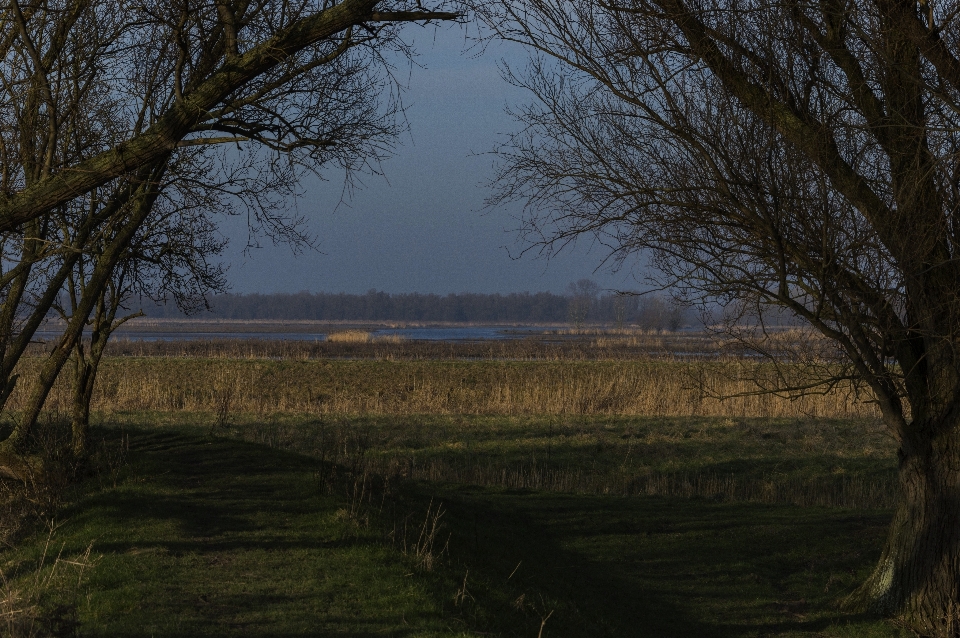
(216, 537)
(220, 538)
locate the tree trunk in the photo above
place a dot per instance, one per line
(918, 576)
(99, 279)
(85, 375)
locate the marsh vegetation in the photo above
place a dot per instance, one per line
(458, 489)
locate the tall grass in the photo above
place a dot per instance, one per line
(446, 387)
(45, 602)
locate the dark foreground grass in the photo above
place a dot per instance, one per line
(210, 536)
(799, 461)
(220, 538)
(662, 567)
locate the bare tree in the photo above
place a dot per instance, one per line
(172, 257)
(582, 295)
(103, 104)
(659, 313)
(793, 156)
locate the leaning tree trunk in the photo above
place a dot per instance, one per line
(86, 368)
(918, 576)
(84, 377)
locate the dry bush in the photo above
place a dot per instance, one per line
(15, 511)
(37, 496)
(421, 542)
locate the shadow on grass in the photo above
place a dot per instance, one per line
(209, 489)
(218, 537)
(662, 567)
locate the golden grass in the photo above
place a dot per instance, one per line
(643, 388)
(361, 336)
(350, 336)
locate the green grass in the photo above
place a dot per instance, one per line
(202, 535)
(661, 567)
(215, 537)
(772, 460)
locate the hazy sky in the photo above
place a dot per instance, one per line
(423, 227)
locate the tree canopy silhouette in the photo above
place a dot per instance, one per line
(125, 128)
(798, 155)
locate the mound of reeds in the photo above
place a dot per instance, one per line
(350, 336)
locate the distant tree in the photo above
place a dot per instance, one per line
(582, 297)
(382, 306)
(657, 312)
(619, 311)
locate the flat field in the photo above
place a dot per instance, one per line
(373, 496)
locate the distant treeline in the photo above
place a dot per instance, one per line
(541, 307)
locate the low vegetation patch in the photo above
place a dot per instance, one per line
(217, 537)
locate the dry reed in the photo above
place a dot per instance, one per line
(445, 387)
(46, 602)
(350, 336)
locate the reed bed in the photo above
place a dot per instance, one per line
(350, 336)
(362, 336)
(395, 347)
(444, 387)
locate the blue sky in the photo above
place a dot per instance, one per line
(422, 227)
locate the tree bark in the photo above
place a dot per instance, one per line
(84, 377)
(918, 576)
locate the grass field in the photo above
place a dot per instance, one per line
(456, 497)
(445, 387)
(215, 536)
